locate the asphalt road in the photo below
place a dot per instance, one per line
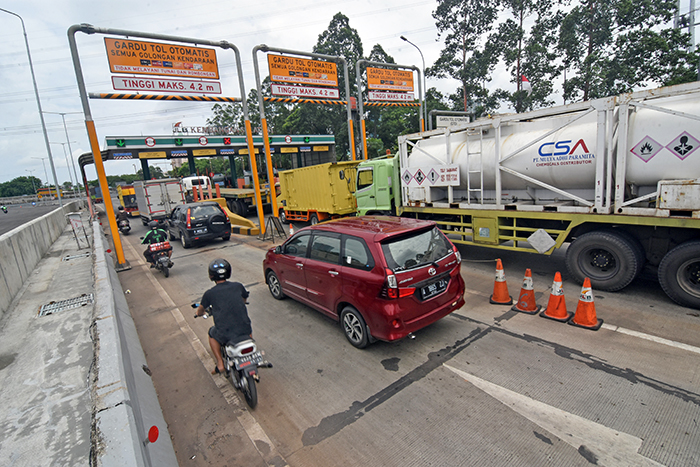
(21, 214)
(484, 386)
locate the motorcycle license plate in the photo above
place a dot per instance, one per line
(252, 359)
(434, 288)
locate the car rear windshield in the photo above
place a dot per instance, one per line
(197, 212)
(416, 250)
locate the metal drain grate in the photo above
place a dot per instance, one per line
(70, 257)
(55, 307)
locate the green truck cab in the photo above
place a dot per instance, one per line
(377, 186)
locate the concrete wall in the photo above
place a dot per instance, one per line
(126, 403)
(23, 247)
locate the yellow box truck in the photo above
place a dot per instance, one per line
(318, 192)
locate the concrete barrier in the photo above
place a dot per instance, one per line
(23, 247)
(126, 404)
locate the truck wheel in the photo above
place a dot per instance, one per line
(638, 250)
(283, 217)
(242, 208)
(232, 206)
(679, 274)
(313, 219)
(605, 257)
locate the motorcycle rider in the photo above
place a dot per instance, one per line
(228, 308)
(155, 235)
(122, 215)
(4, 209)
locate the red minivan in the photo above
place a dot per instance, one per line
(381, 277)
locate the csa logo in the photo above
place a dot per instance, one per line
(562, 153)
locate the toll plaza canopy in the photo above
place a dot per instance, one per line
(304, 150)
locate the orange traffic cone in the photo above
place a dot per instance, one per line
(585, 311)
(556, 307)
(500, 288)
(291, 229)
(526, 300)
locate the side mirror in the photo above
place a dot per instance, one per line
(278, 249)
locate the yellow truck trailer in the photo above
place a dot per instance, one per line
(318, 192)
(127, 198)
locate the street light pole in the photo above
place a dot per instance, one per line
(31, 177)
(46, 174)
(38, 103)
(70, 151)
(70, 176)
(425, 89)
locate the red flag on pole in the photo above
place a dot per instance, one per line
(525, 85)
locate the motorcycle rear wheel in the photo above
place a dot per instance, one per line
(249, 391)
(166, 271)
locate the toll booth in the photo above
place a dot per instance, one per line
(304, 150)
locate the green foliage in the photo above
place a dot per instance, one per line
(616, 46)
(605, 47)
(600, 47)
(375, 148)
(19, 186)
(343, 41)
(465, 56)
(528, 52)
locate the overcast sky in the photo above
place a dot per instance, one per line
(293, 25)
(290, 25)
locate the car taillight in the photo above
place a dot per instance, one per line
(392, 289)
(189, 224)
(459, 257)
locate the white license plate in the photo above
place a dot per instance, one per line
(200, 231)
(434, 288)
(252, 359)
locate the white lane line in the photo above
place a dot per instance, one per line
(629, 332)
(252, 428)
(612, 448)
(649, 337)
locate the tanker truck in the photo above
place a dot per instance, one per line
(615, 179)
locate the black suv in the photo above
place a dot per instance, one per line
(198, 221)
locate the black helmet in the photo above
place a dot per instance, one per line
(153, 225)
(219, 270)
(121, 208)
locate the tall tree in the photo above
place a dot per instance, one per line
(20, 186)
(530, 51)
(615, 46)
(340, 40)
(466, 56)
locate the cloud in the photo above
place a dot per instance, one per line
(294, 26)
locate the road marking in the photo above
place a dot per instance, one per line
(629, 332)
(610, 447)
(255, 432)
(649, 337)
